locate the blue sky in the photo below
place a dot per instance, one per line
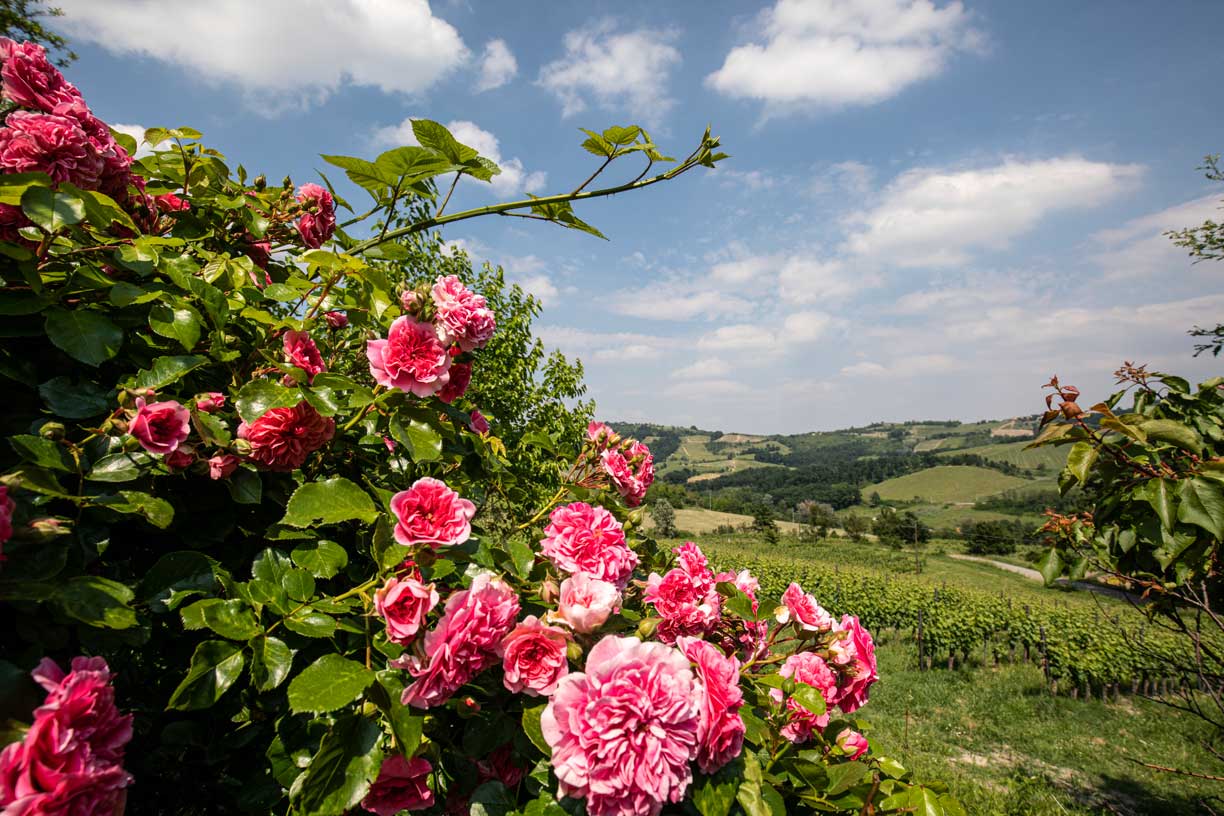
(930, 207)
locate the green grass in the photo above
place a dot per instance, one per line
(947, 483)
(1014, 453)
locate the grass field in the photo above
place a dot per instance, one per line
(694, 453)
(947, 483)
(1015, 454)
(698, 520)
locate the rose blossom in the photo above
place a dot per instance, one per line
(335, 320)
(720, 736)
(7, 506)
(586, 602)
(686, 598)
(803, 610)
(46, 143)
(624, 732)
(601, 435)
(30, 80)
(431, 513)
(856, 651)
(282, 438)
(464, 643)
(402, 784)
(408, 300)
(853, 743)
(403, 603)
(463, 316)
(631, 475)
(533, 658)
(811, 669)
(316, 227)
(160, 427)
(500, 766)
(169, 202)
(210, 402)
(582, 538)
(460, 377)
(412, 358)
(477, 422)
(181, 458)
(304, 354)
(222, 466)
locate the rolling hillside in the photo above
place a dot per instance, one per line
(947, 483)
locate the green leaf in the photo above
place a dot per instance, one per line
(42, 452)
(756, 796)
(329, 683)
(925, 802)
(79, 400)
(405, 723)
(1160, 494)
(1051, 566)
(522, 557)
(83, 334)
(258, 396)
(810, 698)
(245, 486)
(322, 558)
(97, 601)
(119, 467)
(363, 173)
(845, 775)
(491, 799)
(422, 440)
(271, 661)
(715, 795)
(299, 584)
(167, 370)
(328, 502)
(271, 565)
(52, 209)
(531, 727)
(176, 576)
(215, 665)
(1080, 459)
(1174, 433)
(309, 623)
(179, 322)
(1202, 504)
(158, 512)
(340, 772)
(434, 136)
(232, 619)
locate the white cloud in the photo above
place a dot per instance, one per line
(808, 280)
(137, 132)
(834, 53)
(623, 71)
(753, 180)
(739, 337)
(497, 66)
(708, 389)
(864, 369)
(704, 369)
(929, 217)
(1140, 249)
(604, 346)
(676, 300)
(513, 177)
(805, 327)
(284, 51)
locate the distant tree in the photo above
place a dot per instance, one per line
(19, 20)
(992, 537)
(874, 500)
(763, 523)
(901, 530)
(1205, 242)
(818, 516)
(664, 517)
(855, 526)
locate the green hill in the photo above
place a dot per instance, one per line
(947, 483)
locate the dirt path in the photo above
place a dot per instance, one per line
(1034, 575)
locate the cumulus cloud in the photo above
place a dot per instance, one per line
(704, 369)
(286, 51)
(513, 177)
(619, 71)
(1140, 249)
(935, 217)
(497, 66)
(137, 132)
(835, 53)
(611, 347)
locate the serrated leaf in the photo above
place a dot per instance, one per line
(1174, 433)
(329, 683)
(231, 619)
(215, 665)
(79, 400)
(271, 661)
(309, 623)
(1161, 495)
(844, 775)
(175, 576)
(340, 772)
(422, 440)
(178, 322)
(329, 502)
(1202, 504)
(323, 559)
(42, 452)
(83, 334)
(167, 370)
(52, 209)
(119, 467)
(1051, 566)
(1080, 459)
(258, 396)
(531, 727)
(98, 602)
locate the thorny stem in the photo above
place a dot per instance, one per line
(558, 496)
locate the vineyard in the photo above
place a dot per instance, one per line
(1084, 647)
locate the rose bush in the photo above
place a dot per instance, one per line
(308, 512)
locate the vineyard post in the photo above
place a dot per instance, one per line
(919, 646)
(1045, 662)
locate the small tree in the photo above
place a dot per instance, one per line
(664, 517)
(855, 526)
(763, 523)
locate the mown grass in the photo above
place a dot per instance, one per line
(1014, 453)
(947, 483)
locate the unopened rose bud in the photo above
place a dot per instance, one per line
(241, 447)
(573, 651)
(549, 591)
(336, 320)
(467, 707)
(287, 183)
(1070, 410)
(647, 627)
(52, 430)
(408, 300)
(261, 182)
(131, 443)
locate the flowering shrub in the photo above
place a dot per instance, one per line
(246, 476)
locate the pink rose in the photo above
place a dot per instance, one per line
(460, 377)
(624, 732)
(500, 766)
(13, 219)
(803, 610)
(431, 513)
(477, 422)
(582, 538)
(463, 316)
(686, 598)
(181, 458)
(160, 427)
(412, 358)
(464, 643)
(260, 253)
(403, 603)
(210, 402)
(222, 466)
(335, 320)
(747, 584)
(857, 653)
(601, 435)
(304, 354)
(852, 743)
(720, 736)
(533, 658)
(7, 507)
(30, 80)
(317, 224)
(408, 300)
(46, 143)
(282, 438)
(811, 669)
(631, 471)
(402, 784)
(586, 602)
(169, 202)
